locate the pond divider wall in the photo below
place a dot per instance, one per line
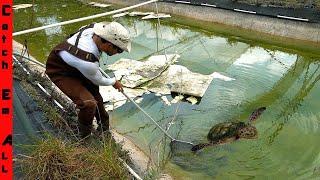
(299, 30)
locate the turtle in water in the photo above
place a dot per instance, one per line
(230, 131)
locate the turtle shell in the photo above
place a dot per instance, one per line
(225, 130)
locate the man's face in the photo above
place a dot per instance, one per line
(109, 48)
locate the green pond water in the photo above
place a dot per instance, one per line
(282, 76)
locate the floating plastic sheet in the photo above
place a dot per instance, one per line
(155, 16)
(101, 5)
(21, 6)
(158, 75)
(115, 99)
(181, 80)
(135, 73)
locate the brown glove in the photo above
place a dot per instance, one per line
(118, 85)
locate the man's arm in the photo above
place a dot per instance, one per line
(88, 69)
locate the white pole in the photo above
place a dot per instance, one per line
(130, 169)
(81, 19)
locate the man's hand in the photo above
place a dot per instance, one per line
(118, 85)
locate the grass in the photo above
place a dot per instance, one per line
(52, 158)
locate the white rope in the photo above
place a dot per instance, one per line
(81, 19)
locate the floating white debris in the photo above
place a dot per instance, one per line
(109, 107)
(217, 75)
(177, 99)
(179, 79)
(21, 6)
(95, 4)
(110, 94)
(137, 13)
(165, 100)
(192, 100)
(136, 73)
(138, 100)
(158, 75)
(120, 14)
(116, 98)
(155, 16)
(114, 105)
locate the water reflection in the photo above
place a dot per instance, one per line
(310, 76)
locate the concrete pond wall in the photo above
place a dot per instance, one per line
(278, 27)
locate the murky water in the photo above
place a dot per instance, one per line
(284, 80)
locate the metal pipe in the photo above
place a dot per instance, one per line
(81, 19)
(49, 95)
(24, 69)
(130, 170)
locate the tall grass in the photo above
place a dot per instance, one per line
(52, 158)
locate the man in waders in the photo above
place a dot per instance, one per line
(73, 66)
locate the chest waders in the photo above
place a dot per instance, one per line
(76, 86)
